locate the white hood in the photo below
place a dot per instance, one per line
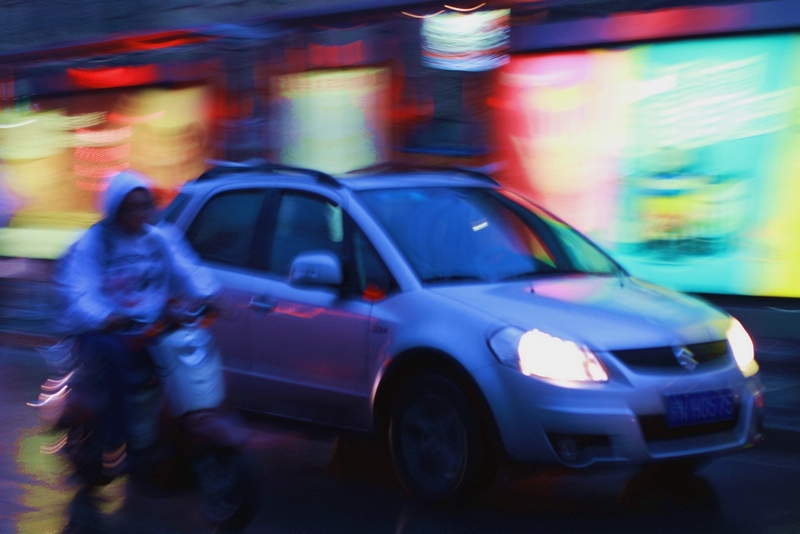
(603, 312)
(118, 188)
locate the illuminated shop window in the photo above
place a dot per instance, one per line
(457, 53)
(680, 158)
(334, 120)
(58, 153)
(471, 42)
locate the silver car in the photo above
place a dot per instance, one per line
(461, 325)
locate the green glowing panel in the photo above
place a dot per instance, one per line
(677, 157)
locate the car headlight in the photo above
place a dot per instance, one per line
(742, 347)
(536, 353)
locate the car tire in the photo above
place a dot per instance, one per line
(440, 451)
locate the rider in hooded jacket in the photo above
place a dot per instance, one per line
(123, 269)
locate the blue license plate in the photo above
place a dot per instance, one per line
(699, 407)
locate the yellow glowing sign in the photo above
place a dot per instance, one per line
(54, 165)
(334, 121)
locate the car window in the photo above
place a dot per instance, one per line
(369, 268)
(223, 230)
(579, 252)
(305, 223)
(582, 254)
(461, 233)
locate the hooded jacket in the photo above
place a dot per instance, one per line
(107, 271)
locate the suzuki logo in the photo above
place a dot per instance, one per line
(685, 357)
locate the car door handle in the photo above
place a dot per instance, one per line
(261, 303)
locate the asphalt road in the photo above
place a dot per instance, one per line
(314, 486)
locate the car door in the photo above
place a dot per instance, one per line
(311, 344)
(222, 233)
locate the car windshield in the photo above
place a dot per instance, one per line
(481, 234)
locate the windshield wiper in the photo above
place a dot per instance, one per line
(528, 274)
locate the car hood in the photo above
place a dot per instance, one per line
(602, 312)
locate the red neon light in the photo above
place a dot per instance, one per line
(103, 136)
(158, 42)
(674, 21)
(317, 53)
(336, 55)
(103, 154)
(354, 52)
(113, 76)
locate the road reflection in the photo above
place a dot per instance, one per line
(44, 490)
(655, 494)
(665, 499)
(315, 484)
(352, 488)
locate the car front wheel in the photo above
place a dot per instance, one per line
(438, 448)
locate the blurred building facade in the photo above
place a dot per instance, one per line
(662, 129)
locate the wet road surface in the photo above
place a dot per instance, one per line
(315, 484)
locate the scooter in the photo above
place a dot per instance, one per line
(198, 442)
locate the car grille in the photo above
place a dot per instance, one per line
(655, 427)
(665, 356)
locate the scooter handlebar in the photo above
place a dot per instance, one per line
(201, 316)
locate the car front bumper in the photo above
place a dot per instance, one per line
(619, 422)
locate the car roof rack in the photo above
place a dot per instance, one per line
(411, 167)
(226, 168)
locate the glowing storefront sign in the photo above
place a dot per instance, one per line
(55, 163)
(334, 120)
(466, 41)
(679, 157)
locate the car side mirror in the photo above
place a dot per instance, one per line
(316, 268)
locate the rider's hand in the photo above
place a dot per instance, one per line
(115, 321)
(214, 306)
(211, 306)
